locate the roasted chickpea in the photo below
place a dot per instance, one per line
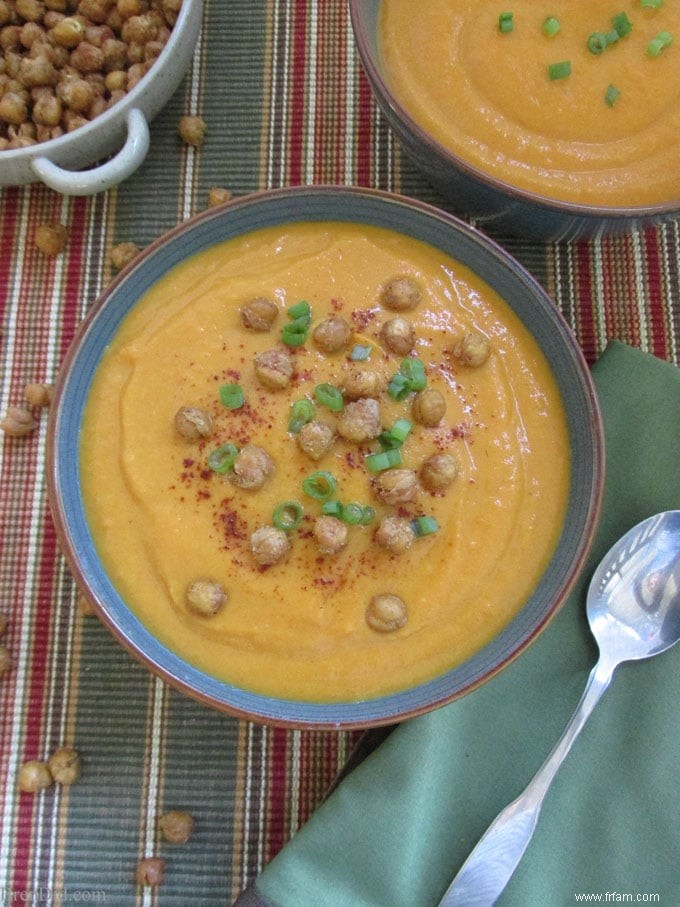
(51, 238)
(176, 826)
(34, 776)
(385, 613)
(206, 597)
(68, 32)
(428, 407)
(150, 871)
(192, 130)
(18, 422)
(269, 545)
(401, 294)
(259, 314)
(65, 765)
(193, 423)
(38, 394)
(395, 534)
(252, 467)
(85, 57)
(331, 534)
(273, 369)
(398, 335)
(315, 439)
(472, 349)
(396, 486)
(47, 110)
(123, 253)
(363, 382)
(5, 661)
(30, 10)
(128, 8)
(360, 421)
(218, 196)
(438, 472)
(332, 334)
(13, 108)
(95, 10)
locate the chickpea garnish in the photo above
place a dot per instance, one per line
(401, 294)
(176, 826)
(396, 486)
(65, 765)
(34, 776)
(273, 369)
(5, 661)
(331, 534)
(51, 238)
(332, 334)
(18, 422)
(363, 382)
(395, 534)
(386, 613)
(150, 871)
(123, 253)
(206, 597)
(269, 545)
(38, 394)
(252, 467)
(218, 196)
(259, 314)
(315, 439)
(360, 421)
(192, 130)
(438, 472)
(472, 349)
(193, 423)
(68, 32)
(398, 335)
(428, 407)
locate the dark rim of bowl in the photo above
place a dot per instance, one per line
(358, 16)
(302, 714)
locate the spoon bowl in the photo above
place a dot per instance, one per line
(633, 608)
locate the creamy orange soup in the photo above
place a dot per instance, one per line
(163, 518)
(606, 134)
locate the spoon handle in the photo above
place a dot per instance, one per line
(488, 869)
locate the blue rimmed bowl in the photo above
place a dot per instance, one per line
(361, 206)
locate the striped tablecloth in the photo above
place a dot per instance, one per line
(279, 85)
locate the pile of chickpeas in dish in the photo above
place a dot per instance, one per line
(357, 420)
(65, 62)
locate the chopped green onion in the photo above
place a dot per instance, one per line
(551, 26)
(424, 525)
(352, 514)
(368, 516)
(651, 4)
(320, 485)
(330, 396)
(301, 310)
(612, 36)
(232, 396)
(505, 23)
(360, 353)
(396, 436)
(387, 440)
(611, 95)
(288, 515)
(622, 25)
(331, 508)
(222, 458)
(399, 387)
(559, 70)
(414, 370)
(377, 462)
(598, 42)
(301, 412)
(659, 43)
(295, 332)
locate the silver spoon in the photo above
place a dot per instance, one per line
(633, 608)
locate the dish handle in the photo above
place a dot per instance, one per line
(98, 179)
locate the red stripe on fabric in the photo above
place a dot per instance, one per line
(278, 791)
(8, 233)
(584, 296)
(657, 322)
(296, 130)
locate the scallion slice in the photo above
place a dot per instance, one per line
(414, 370)
(622, 25)
(352, 514)
(301, 412)
(232, 396)
(651, 4)
(288, 515)
(331, 508)
(368, 516)
(559, 70)
(551, 26)
(505, 23)
(301, 310)
(360, 353)
(399, 387)
(320, 485)
(659, 43)
(386, 459)
(424, 525)
(611, 95)
(330, 396)
(222, 459)
(597, 42)
(295, 332)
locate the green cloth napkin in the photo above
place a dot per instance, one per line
(399, 827)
